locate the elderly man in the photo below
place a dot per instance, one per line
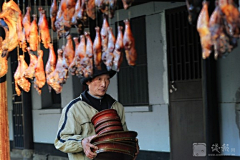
(75, 128)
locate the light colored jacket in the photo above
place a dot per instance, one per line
(75, 124)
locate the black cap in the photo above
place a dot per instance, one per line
(97, 72)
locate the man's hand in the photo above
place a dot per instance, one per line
(87, 147)
(137, 146)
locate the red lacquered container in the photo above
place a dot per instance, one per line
(108, 124)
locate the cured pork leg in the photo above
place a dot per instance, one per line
(33, 34)
(129, 44)
(43, 29)
(68, 52)
(53, 14)
(204, 32)
(97, 49)
(117, 53)
(73, 66)
(27, 23)
(107, 56)
(19, 78)
(40, 78)
(30, 71)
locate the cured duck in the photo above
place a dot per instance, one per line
(97, 49)
(204, 32)
(117, 53)
(81, 52)
(104, 34)
(40, 78)
(27, 23)
(73, 66)
(21, 35)
(19, 78)
(129, 44)
(52, 61)
(107, 56)
(30, 71)
(43, 29)
(87, 61)
(53, 14)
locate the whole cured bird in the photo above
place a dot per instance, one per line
(9, 18)
(40, 78)
(107, 56)
(117, 53)
(204, 32)
(53, 14)
(97, 49)
(30, 71)
(43, 29)
(194, 8)
(129, 44)
(19, 78)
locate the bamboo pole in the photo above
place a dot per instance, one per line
(4, 131)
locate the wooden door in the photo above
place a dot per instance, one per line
(186, 110)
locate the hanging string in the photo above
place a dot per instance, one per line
(118, 16)
(52, 30)
(35, 7)
(96, 16)
(24, 7)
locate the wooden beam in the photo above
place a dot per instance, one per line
(4, 131)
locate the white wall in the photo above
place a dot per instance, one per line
(229, 98)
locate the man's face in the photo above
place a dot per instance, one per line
(99, 85)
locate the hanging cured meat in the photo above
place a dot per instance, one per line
(97, 49)
(232, 15)
(127, 3)
(81, 52)
(52, 60)
(104, 34)
(222, 42)
(19, 78)
(73, 66)
(107, 56)
(129, 44)
(53, 14)
(87, 61)
(21, 35)
(203, 30)
(90, 8)
(117, 53)
(59, 76)
(79, 17)
(10, 13)
(30, 71)
(68, 52)
(194, 7)
(33, 34)
(43, 28)
(27, 23)
(40, 78)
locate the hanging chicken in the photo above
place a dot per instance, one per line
(87, 61)
(8, 17)
(117, 53)
(33, 34)
(107, 56)
(27, 23)
(53, 14)
(19, 78)
(97, 49)
(30, 71)
(81, 52)
(203, 30)
(40, 78)
(78, 17)
(129, 44)
(43, 29)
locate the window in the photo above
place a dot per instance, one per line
(133, 81)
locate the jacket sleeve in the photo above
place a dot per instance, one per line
(121, 113)
(69, 136)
